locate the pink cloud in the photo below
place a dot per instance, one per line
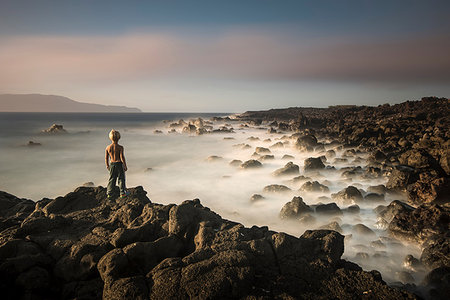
(34, 60)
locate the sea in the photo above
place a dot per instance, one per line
(173, 167)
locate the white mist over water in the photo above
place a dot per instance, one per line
(180, 170)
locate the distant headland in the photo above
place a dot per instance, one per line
(53, 103)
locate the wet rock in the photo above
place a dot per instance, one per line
(307, 219)
(429, 190)
(287, 156)
(332, 226)
(277, 145)
(400, 178)
(306, 143)
(436, 252)
(379, 189)
(330, 154)
(413, 263)
(405, 277)
(55, 129)
(251, 164)
(214, 158)
(235, 163)
(256, 197)
(353, 209)
(299, 179)
(266, 157)
(373, 197)
(363, 230)
(313, 163)
(314, 186)
(289, 169)
(349, 195)
(421, 223)
(294, 209)
(157, 131)
(394, 208)
(438, 283)
(328, 209)
(33, 144)
(262, 150)
(276, 188)
(88, 184)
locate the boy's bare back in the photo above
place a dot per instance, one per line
(115, 152)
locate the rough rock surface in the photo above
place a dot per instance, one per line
(289, 169)
(83, 246)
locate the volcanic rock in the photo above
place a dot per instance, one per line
(289, 169)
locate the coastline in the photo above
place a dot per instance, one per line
(402, 148)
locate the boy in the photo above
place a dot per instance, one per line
(117, 167)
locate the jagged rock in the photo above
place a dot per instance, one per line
(251, 164)
(132, 248)
(436, 252)
(294, 209)
(394, 208)
(313, 163)
(276, 188)
(429, 190)
(400, 178)
(306, 143)
(289, 169)
(349, 195)
(421, 223)
(332, 226)
(314, 186)
(55, 128)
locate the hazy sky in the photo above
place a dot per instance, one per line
(226, 56)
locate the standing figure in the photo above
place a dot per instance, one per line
(115, 163)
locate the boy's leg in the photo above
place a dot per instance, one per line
(112, 179)
(121, 176)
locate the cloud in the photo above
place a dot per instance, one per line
(249, 54)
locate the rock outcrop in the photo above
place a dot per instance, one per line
(83, 246)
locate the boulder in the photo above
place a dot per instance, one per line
(251, 164)
(328, 209)
(294, 209)
(314, 186)
(306, 143)
(349, 195)
(262, 150)
(313, 163)
(55, 129)
(289, 169)
(276, 188)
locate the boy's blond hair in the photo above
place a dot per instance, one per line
(114, 135)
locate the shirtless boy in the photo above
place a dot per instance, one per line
(115, 163)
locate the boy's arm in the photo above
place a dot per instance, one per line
(122, 158)
(107, 158)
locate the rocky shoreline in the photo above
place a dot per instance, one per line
(82, 246)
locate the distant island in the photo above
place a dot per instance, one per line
(52, 103)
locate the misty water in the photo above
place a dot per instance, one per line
(173, 167)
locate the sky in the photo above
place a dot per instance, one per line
(226, 56)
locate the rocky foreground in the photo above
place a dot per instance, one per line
(83, 246)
